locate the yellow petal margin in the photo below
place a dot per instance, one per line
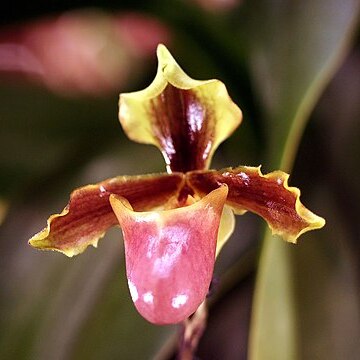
(89, 214)
(185, 118)
(268, 195)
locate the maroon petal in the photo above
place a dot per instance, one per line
(89, 214)
(266, 195)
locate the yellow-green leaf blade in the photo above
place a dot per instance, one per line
(295, 51)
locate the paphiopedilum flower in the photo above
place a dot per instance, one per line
(175, 223)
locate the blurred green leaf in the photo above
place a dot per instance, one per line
(326, 290)
(35, 122)
(326, 263)
(295, 49)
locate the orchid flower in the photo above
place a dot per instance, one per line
(174, 224)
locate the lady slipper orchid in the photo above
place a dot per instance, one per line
(175, 223)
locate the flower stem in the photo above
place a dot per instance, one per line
(191, 332)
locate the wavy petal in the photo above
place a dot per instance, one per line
(89, 214)
(170, 255)
(185, 118)
(266, 195)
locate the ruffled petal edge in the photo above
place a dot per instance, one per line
(88, 214)
(269, 196)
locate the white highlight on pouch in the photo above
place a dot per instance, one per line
(133, 291)
(179, 300)
(148, 297)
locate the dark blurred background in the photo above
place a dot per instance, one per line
(294, 69)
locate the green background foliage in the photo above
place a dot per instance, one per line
(294, 69)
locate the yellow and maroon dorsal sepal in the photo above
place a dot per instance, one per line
(186, 119)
